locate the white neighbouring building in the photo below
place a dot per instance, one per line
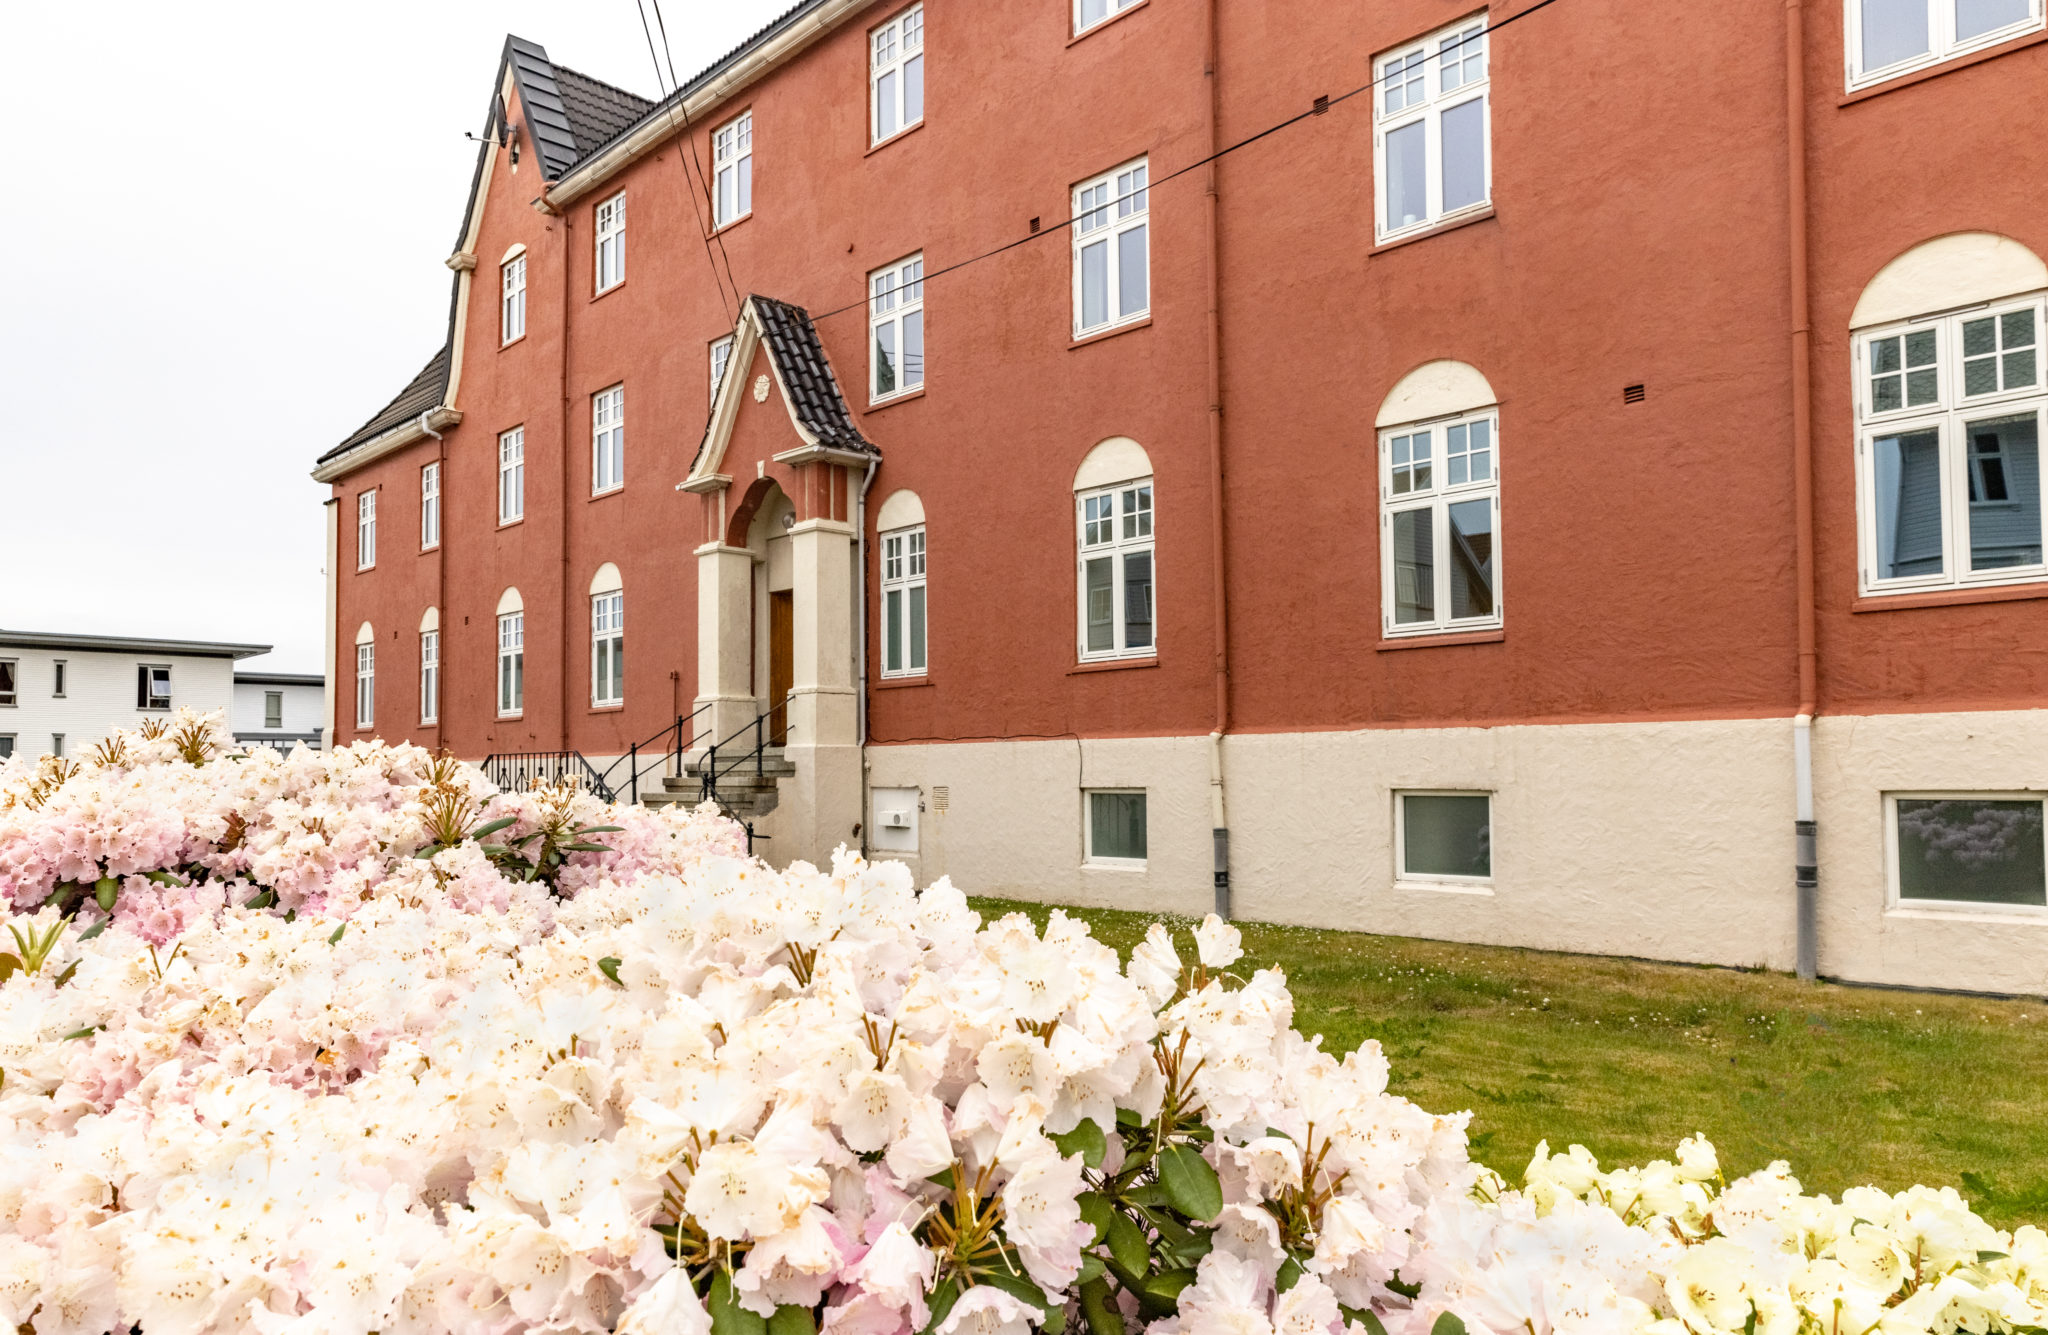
(280, 709)
(61, 694)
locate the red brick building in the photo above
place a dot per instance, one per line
(1073, 495)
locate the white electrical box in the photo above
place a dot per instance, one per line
(894, 812)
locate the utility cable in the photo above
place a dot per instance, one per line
(688, 189)
(717, 233)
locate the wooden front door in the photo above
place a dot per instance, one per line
(781, 661)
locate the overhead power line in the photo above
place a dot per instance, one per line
(663, 86)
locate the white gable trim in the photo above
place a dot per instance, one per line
(733, 389)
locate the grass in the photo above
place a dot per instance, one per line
(1852, 1085)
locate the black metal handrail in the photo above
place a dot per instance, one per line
(670, 744)
(710, 772)
(524, 768)
(518, 770)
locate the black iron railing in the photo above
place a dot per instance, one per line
(764, 735)
(665, 748)
(518, 771)
(523, 769)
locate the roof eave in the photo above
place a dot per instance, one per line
(118, 644)
(377, 447)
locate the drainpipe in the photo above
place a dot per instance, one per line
(1219, 570)
(860, 643)
(567, 488)
(1806, 864)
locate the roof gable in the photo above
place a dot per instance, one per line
(803, 373)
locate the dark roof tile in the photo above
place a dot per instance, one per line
(807, 375)
(597, 110)
(423, 395)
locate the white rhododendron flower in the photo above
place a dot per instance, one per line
(329, 1065)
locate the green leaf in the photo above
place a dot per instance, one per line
(1086, 1140)
(1099, 1310)
(1127, 1244)
(1290, 1274)
(1190, 1249)
(1448, 1324)
(1981, 1256)
(581, 847)
(1150, 1193)
(1364, 1316)
(1402, 1287)
(1128, 1119)
(162, 878)
(1017, 1286)
(428, 851)
(86, 1032)
(1091, 1268)
(727, 1316)
(1096, 1209)
(1055, 1322)
(943, 1178)
(104, 891)
(86, 935)
(65, 976)
(790, 1319)
(262, 899)
(1165, 1286)
(9, 965)
(943, 1298)
(602, 829)
(291, 915)
(496, 851)
(336, 938)
(1190, 1183)
(609, 967)
(492, 827)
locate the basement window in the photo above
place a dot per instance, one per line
(1983, 849)
(1116, 828)
(1444, 836)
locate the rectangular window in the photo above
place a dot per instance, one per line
(1116, 828)
(366, 530)
(1888, 38)
(511, 664)
(611, 242)
(512, 475)
(60, 671)
(1444, 836)
(896, 72)
(6, 746)
(512, 325)
(1088, 13)
(430, 675)
(1949, 456)
(10, 686)
(1968, 848)
(896, 326)
(152, 686)
(608, 649)
(1112, 256)
(903, 603)
(721, 353)
(366, 686)
(1432, 146)
(430, 507)
(1440, 526)
(273, 709)
(57, 745)
(608, 440)
(1117, 613)
(732, 159)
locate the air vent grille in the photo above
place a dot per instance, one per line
(1633, 394)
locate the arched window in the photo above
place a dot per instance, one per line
(1439, 474)
(1116, 520)
(901, 526)
(1949, 406)
(607, 637)
(430, 666)
(511, 655)
(366, 677)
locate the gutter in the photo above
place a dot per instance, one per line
(1806, 862)
(1219, 817)
(427, 424)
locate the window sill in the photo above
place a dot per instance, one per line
(1997, 593)
(511, 523)
(728, 226)
(1480, 213)
(511, 718)
(435, 548)
(1935, 71)
(906, 396)
(1142, 322)
(361, 569)
(898, 683)
(601, 295)
(1112, 864)
(618, 708)
(608, 491)
(1444, 641)
(1100, 24)
(897, 137)
(1444, 887)
(1113, 665)
(2002, 914)
(511, 343)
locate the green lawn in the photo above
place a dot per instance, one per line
(1852, 1085)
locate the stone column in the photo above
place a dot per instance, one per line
(821, 805)
(725, 619)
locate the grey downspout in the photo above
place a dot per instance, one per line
(860, 649)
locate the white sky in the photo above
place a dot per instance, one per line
(223, 254)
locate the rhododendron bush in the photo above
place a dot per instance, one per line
(355, 1042)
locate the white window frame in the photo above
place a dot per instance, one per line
(512, 664)
(1394, 76)
(1438, 880)
(895, 309)
(146, 682)
(732, 170)
(721, 356)
(1106, 207)
(904, 565)
(60, 678)
(1942, 42)
(609, 264)
(1110, 9)
(273, 719)
(1142, 537)
(430, 506)
(1089, 857)
(1949, 415)
(608, 440)
(893, 48)
(1441, 495)
(1895, 901)
(10, 698)
(57, 745)
(366, 529)
(512, 476)
(512, 310)
(607, 648)
(430, 676)
(366, 686)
